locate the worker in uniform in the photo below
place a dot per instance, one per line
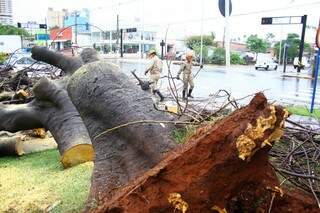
(186, 70)
(154, 69)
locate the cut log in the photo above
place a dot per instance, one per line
(11, 146)
(105, 98)
(51, 109)
(6, 96)
(223, 168)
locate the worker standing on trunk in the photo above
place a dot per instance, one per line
(186, 70)
(154, 69)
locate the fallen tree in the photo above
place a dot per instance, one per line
(51, 109)
(223, 168)
(11, 146)
(138, 167)
(105, 97)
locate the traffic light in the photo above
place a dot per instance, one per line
(42, 26)
(19, 25)
(131, 30)
(87, 26)
(266, 21)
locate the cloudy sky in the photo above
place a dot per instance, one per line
(180, 18)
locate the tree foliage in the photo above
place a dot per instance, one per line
(256, 44)
(236, 58)
(12, 30)
(293, 42)
(194, 43)
(218, 57)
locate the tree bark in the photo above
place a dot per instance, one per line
(51, 109)
(67, 64)
(11, 146)
(105, 98)
(138, 167)
(223, 168)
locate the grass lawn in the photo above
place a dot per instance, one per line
(304, 111)
(37, 182)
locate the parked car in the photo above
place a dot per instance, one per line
(265, 61)
(32, 67)
(266, 64)
(304, 64)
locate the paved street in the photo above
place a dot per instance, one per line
(240, 81)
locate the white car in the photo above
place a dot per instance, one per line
(266, 64)
(32, 67)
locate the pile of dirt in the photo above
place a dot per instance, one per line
(222, 168)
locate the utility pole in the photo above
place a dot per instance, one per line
(46, 32)
(304, 25)
(142, 31)
(227, 36)
(280, 49)
(118, 33)
(285, 57)
(121, 43)
(76, 26)
(201, 47)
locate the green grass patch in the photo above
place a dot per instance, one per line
(181, 135)
(303, 111)
(36, 182)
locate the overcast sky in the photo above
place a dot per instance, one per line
(180, 18)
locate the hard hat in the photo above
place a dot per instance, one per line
(152, 52)
(189, 55)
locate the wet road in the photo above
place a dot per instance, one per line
(239, 82)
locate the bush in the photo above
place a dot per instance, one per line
(218, 56)
(3, 57)
(235, 58)
(205, 49)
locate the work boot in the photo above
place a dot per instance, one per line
(184, 94)
(189, 94)
(160, 95)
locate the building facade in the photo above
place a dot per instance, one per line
(81, 18)
(55, 19)
(133, 42)
(61, 38)
(6, 12)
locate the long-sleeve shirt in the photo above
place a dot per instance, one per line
(185, 68)
(154, 66)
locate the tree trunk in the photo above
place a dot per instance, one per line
(11, 146)
(223, 167)
(53, 110)
(106, 98)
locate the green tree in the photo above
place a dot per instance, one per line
(293, 41)
(194, 43)
(11, 30)
(218, 56)
(270, 38)
(256, 44)
(235, 58)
